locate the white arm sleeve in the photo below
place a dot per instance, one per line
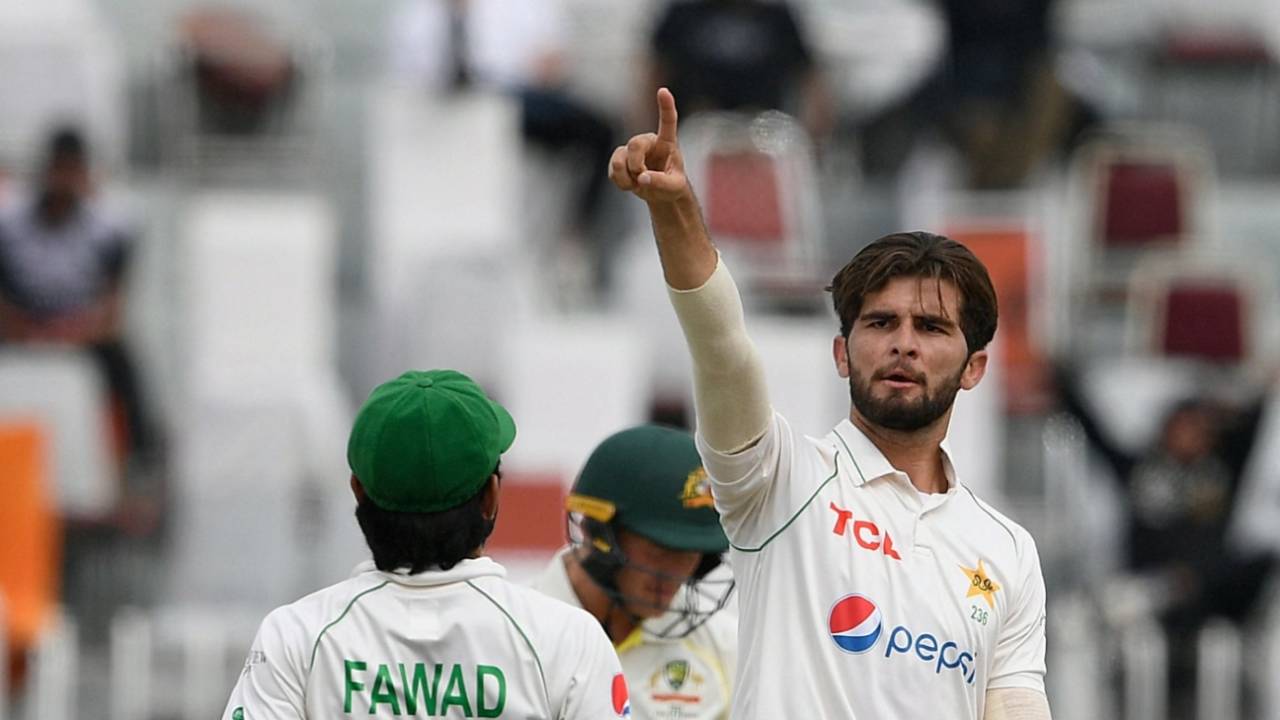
(1018, 660)
(1016, 704)
(730, 398)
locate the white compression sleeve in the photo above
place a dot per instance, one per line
(1016, 704)
(729, 392)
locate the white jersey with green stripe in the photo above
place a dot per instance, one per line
(461, 643)
(859, 598)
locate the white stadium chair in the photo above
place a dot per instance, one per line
(570, 383)
(65, 392)
(444, 181)
(265, 512)
(59, 63)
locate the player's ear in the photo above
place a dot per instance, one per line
(840, 354)
(490, 501)
(357, 489)
(974, 368)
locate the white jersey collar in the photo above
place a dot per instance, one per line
(554, 580)
(468, 569)
(870, 464)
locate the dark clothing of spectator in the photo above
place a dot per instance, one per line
(1179, 505)
(991, 45)
(995, 97)
(51, 273)
(556, 121)
(731, 55)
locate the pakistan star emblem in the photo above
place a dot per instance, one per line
(980, 584)
(676, 672)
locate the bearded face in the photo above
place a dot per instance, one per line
(906, 356)
(880, 397)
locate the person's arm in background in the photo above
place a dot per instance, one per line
(16, 325)
(1068, 385)
(730, 398)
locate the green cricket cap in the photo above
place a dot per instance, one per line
(650, 480)
(427, 441)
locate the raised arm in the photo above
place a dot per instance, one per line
(728, 381)
(650, 166)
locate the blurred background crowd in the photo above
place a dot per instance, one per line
(222, 224)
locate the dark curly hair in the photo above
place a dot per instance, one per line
(418, 541)
(923, 255)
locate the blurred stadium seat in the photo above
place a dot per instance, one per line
(63, 390)
(1205, 66)
(571, 382)
(30, 556)
(176, 660)
(1140, 191)
(265, 415)
(533, 517)
(1204, 320)
(759, 185)
(444, 204)
(55, 671)
(1203, 307)
(59, 63)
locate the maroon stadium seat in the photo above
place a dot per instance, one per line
(744, 197)
(758, 181)
(1204, 320)
(1142, 203)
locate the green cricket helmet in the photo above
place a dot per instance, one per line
(649, 480)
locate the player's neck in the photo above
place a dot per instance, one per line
(917, 453)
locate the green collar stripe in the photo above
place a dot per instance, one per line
(520, 630)
(851, 456)
(316, 646)
(806, 504)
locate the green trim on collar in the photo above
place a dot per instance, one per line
(316, 645)
(806, 504)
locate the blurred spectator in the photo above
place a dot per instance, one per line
(996, 96)
(62, 262)
(1180, 493)
(517, 48)
(738, 55)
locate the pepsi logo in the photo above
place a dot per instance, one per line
(855, 623)
(621, 699)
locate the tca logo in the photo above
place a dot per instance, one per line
(864, 532)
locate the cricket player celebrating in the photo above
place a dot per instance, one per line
(874, 584)
(430, 628)
(644, 539)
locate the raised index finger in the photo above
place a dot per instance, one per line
(666, 116)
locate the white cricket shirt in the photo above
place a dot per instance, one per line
(459, 643)
(689, 678)
(859, 599)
